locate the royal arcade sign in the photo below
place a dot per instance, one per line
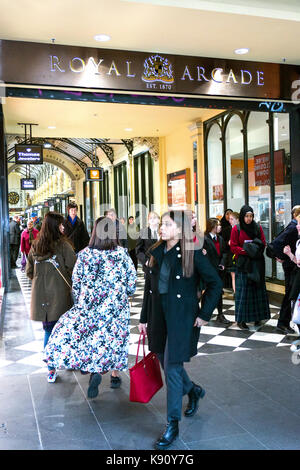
(106, 69)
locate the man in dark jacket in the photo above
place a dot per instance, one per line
(75, 229)
(288, 237)
(120, 229)
(14, 240)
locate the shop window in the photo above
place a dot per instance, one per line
(282, 176)
(235, 164)
(215, 172)
(259, 174)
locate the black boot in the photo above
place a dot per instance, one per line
(243, 325)
(195, 394)
(169, 436)
(221, 319)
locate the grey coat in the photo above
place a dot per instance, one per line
(51, 296)
(14, 233)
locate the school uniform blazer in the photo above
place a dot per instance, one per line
(212, 253)
(177, 323)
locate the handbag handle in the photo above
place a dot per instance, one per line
(137, 354)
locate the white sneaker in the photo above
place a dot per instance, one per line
(295, 327)
(52, 375)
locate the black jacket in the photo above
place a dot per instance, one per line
(212, 253)
(177, 324)
(77, 234)
(254, 263)
(143, 245)
(289, 236)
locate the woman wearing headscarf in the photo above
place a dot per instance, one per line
(247, 242)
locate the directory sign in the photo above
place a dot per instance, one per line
(28, 184)
(94, 174)
(28, 154)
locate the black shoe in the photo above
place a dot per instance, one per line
(195, 394)
(243, 325)
(169, 436)
(258, 323)
(95, 380)
(115, 382)
(222, 319)
(286, 330)
(282, 329)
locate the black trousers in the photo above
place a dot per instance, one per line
(14, 252)
(177, 380)
(285, 313)
(133, 256)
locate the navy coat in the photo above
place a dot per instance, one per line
(177, 324)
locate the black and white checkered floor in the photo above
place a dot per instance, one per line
(214, 337)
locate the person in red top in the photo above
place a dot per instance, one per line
(251, 298)
(27, 237)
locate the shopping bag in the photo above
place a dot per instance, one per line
(145, 376)
(296, 311)
(23, 262)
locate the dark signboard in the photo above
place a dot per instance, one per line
(157, 73)
(94, 174)
(28, 184)
(28, 154)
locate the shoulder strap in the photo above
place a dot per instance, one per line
(53, 264)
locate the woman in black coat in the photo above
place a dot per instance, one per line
(171, 316)
(216, 252)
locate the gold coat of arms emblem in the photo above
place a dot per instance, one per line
(157, 69)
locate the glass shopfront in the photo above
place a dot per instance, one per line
(248, 161)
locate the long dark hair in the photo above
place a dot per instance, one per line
(183, 221)
(104, 235)
(49, 235)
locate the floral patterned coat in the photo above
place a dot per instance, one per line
(93, 335)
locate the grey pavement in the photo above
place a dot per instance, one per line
(252, 402)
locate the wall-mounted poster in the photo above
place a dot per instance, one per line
(218, 193)
(179, 189)
(262, 168)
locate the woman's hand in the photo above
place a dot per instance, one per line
(287, 250)
(199, 322)
(204, 251)
(142, 328)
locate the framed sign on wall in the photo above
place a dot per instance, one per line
(179, 189)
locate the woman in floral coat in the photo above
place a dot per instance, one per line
(93, 335)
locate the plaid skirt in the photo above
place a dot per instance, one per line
(251, 300)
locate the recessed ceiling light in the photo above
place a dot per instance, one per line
(51, 127)
(102, 37)
(128, 129)
(242, 50)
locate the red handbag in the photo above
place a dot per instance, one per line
(145, 376)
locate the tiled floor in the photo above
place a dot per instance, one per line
(252, 385)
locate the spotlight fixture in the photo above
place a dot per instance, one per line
(242, 50)
(47, 145)
(128, 129)
(51, 127)
(102, 37)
